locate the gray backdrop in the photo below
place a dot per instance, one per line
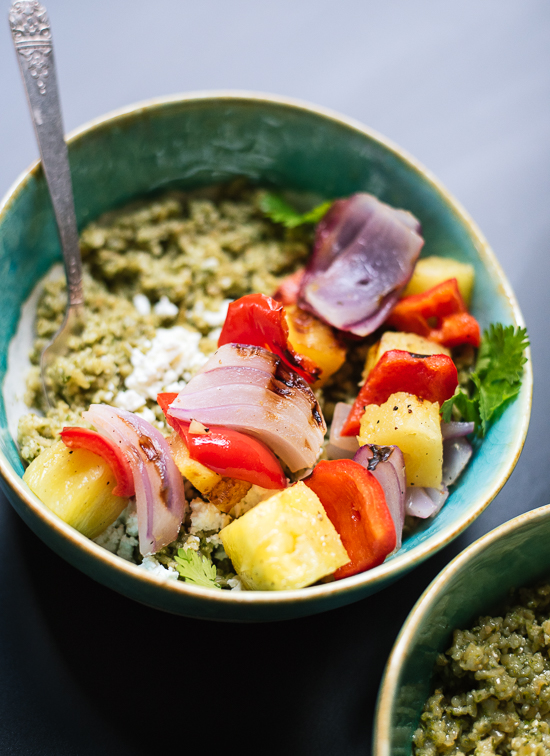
(465, 87)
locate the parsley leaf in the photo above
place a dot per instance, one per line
(496, 379)
(279, 211)
(196, 569)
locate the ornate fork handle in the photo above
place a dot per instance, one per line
(32, 38)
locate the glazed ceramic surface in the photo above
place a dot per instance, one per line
(478, 582)
(200, 139)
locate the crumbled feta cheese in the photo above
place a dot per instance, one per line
(129, 400)
(235, 583)
(210, 263)
(193, 543)
(253, 496)
(213, 318)
(153, 566)
(215, 334)
(173, 353)
(142, 304)
(126, 547)
(111, 537)
(131, 520)
(206, 516)
(165, 309)
(147, 414)
(217, 317)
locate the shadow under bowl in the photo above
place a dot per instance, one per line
(190, 141)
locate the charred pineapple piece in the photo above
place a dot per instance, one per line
(221, 491)
(316, 340)
(76, 484)
(414, 426)
(284, 542)
(430, 271)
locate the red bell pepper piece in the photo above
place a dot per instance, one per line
(289, 288)
(454, 325)
(258, 320)
(355, 504)
(229, 452)
(83, 438)
(433, 377)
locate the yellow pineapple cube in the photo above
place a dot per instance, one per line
(221, 491)
(316, 340)
(430, 271)
(197, 474)
(76, 484)
(414, 426)
(284, 542)
(408, 342)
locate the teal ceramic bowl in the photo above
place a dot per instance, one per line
(477, 582)
(199, 139)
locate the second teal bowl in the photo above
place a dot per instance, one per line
(476, 583)
(199, 139)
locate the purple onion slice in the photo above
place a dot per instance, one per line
(160, 496)
(456, 455)
(364, 255)
(341, 447)
(424, 502)
(387, 465)
(456, 430)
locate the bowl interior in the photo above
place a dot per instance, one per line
(477, 583)
(195, 141)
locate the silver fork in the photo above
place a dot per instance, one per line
(32, 38)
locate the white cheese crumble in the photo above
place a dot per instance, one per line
(206, 516)
(168, 364)
(153, 566)
(142, 304)
(147, 414)
(254, 496)
(235, 583)
(129, 400)
(165, 308)
(213, 318)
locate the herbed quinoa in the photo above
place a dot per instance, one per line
(492, 693)
(158, 277)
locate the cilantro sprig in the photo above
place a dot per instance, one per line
(196, 569)
(496, 379)
(279, 211)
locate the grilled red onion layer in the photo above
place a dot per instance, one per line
(341, 447)
(363, 257)
(251, 390)
(387, 465)
(455, 429)
(425, 502)
(456, 455)
(160, 496)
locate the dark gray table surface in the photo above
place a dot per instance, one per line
(465, 87)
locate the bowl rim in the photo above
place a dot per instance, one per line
(417, 616)
(389, 570)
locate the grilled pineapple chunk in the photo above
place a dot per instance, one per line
(413, 425)
(316, 340)
(284, 542)
(223, 492)
(430, 271)
(408, 342)
(76, 484)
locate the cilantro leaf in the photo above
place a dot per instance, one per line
(279, 211)
(496, 379)
(196, 569)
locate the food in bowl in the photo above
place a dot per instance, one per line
(491, 692)
(223, 365)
